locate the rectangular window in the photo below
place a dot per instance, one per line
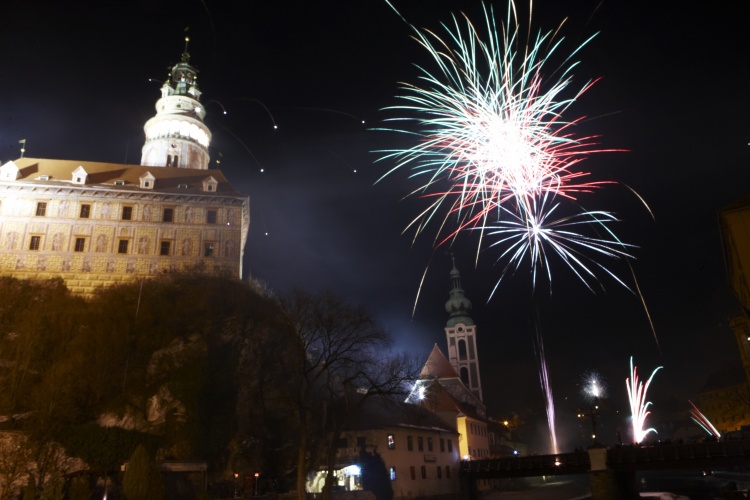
(413, 472)
(164, 247)
(439, 472)
(167, 215)
(41, 208)
(210, 216)
(447, 472)
(79, 245)
(429, 443)
(393, 473)
(85, 211)
(420, 443)
(127, 213)
(35, 242)
(442, 444)
(122, 246)
(450, 445)
(409, 443)
(208, 250)
(424, 472)
(391, 442)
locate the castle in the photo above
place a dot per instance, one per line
(95, 224)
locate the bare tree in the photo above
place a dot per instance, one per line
(342, 357)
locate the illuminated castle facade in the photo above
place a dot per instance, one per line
(96, 224)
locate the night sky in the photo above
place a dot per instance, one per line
(673, 93)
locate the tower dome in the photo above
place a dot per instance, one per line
(176, 136)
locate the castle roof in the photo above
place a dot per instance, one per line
(120, 176)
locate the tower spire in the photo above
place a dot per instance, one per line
(177, 136)
(457, 306)
(460, 332)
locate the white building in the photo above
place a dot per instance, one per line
(420, 450)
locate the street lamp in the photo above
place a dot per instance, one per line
(256, 483)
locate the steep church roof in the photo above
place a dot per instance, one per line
(437, 366)
(440, 389)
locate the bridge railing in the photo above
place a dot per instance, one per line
(660, 456)
(532, 465)
(676, 453)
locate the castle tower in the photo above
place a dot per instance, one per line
(177, 136)
(460, 332)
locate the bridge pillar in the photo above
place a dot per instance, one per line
(607, 484)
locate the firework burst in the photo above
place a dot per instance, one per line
(593, 387)
(638, 404)
(705, 424)
(495, 153)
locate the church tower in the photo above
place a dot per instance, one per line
(460, 332)
(177, 136)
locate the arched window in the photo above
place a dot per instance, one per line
(462, 349)
(465, 376)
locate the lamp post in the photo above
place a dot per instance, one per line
(256, 483)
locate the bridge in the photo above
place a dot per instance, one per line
(612, 470)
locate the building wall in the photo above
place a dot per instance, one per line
(727, 408)
(86, 251)
(474, 442)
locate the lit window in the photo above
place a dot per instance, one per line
(168, 215)
(393, 473)
(80, 244)
(164, 248)
(85, 211)
(35, 242)
(41, 208)
(391, 442)
(122, 246)
(211, 216)
(127, 213)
